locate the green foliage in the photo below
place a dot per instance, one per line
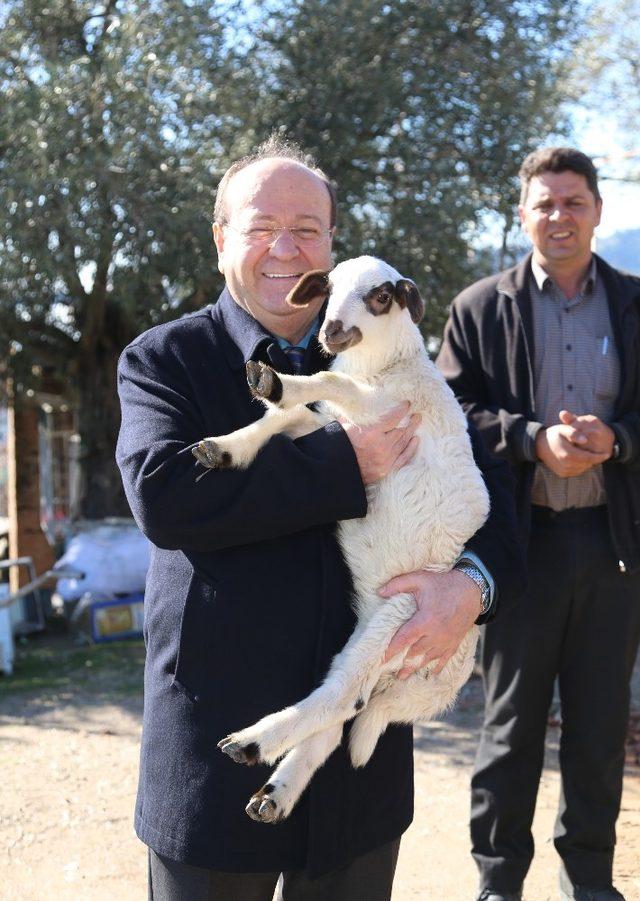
(112, 134)
(421, 112)
(609, 61)
(114, 128)
(606, 80)
(119, 118)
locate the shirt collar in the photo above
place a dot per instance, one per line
(542, 278)
(303, 342)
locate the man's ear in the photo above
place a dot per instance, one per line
(312, 285)
(408, 296)
(218, 240)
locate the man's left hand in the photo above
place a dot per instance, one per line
(447, 606)
(599, 436)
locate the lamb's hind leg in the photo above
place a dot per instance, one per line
(275, 800)
(351, 678)
(420, 697)
(404, 701)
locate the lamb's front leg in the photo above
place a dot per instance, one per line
(275, 800)
(346, 689)
(240, 448)
(355, 399)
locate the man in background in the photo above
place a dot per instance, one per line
(545, 359)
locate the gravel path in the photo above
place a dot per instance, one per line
(69, 763)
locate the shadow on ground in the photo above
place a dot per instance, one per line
(58, 682)
(457, 733)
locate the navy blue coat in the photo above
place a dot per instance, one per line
(247, 602)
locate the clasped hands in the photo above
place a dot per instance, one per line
(575, 444)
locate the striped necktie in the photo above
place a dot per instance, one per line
(296, 357)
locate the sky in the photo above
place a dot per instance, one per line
(599, 137)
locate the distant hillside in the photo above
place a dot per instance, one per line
(622, 250)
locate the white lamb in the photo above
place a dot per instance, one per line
(418, 518)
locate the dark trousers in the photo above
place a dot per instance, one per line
(580, 622)
(367, 877)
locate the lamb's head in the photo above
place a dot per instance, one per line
(370, 304)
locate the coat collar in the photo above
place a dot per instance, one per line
(514, 283)
(242, 335)
(244, 339)
(622, 289)
(625, 288)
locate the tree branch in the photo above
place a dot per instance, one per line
(67, 244)
(36, 333)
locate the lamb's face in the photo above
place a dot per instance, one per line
(368, 301)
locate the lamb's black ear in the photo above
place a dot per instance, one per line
(312, 284)
(408, 296)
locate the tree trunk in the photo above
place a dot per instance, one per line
(99, 422)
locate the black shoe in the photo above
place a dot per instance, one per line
(489, 894)
(577, 892)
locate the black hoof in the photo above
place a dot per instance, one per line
(253, 370)
(249, 754)
(209, 454)
(263, 809)
(264, 382)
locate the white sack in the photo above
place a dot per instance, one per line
(114, 559)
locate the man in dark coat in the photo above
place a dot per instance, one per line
(545, 359)
(247, 595)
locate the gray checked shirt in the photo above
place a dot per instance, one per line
(576, 368)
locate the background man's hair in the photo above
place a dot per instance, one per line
(557, 159)
(275, 147)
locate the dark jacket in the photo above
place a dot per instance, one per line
(247, 602)
(487, 358)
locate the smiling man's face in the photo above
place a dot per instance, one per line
(273, 193)
(560, 214)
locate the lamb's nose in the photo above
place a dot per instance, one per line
(332, 328)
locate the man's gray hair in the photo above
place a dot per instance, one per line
(275, 147)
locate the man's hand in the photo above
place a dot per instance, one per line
(447, 606)
(383, 447)
(590, 433)
(563, 449)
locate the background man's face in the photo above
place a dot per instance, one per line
(560, 215)
(273, 193)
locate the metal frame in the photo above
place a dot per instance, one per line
(34, 583)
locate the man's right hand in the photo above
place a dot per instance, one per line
(556, 447)
(384, 447)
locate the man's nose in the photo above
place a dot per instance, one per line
(284, 247)
(558, 212)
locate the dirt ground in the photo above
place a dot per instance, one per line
(69, 732)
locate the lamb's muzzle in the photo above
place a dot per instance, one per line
(334, 338)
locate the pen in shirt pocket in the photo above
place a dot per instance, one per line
(605, 345)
